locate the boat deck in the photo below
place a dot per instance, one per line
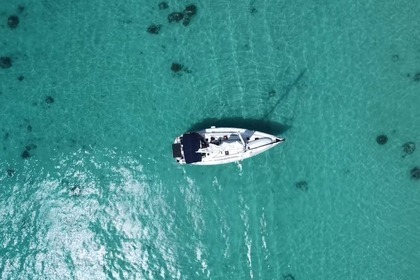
(221, 145)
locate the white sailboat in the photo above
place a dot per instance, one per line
(221, 145)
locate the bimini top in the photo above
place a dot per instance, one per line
(190, 145)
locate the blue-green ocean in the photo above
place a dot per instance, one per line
(93, 93)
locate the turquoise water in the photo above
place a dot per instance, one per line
(98, 195)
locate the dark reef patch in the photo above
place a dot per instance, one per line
(20, 9)
(288, 277)
(21, 78)
(175, 16)
(302, 185)
(30, 147)
(415, 173)
(382, 139)
(29, 128)
(10, 172)
(163, 5)
(271, 93)
(49, 100)
(395, 57)
(408, 148)
(176, 67)
(416, 77)
(75, 191)
(253, 10)
(25, 154)
(154, 28)
(186, 21)
(13, 21)
(5, 62)
(189, 12)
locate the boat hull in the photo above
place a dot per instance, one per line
(222, 145)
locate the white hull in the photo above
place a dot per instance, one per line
(221, 145)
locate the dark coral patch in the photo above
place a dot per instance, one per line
(415, 173)
(175, 16)
(21, 78)
(253, 11)
(186, 21)
(271, 93)
(21, 8)
(416, 77)
(408, 148)
(10, 172)
(395, 57)
(154, 28)
(302, 185)
(5, 62)
(13, 21)
(382, 139)
(26, 154)
(29, 128)
(189, 12)
(30, 147)
(176, 67)
(75, 191)
(163, 5)
(288, 277)
(49, 100)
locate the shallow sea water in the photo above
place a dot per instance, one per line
(100, 196)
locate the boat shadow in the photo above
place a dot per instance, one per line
(266, 126)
